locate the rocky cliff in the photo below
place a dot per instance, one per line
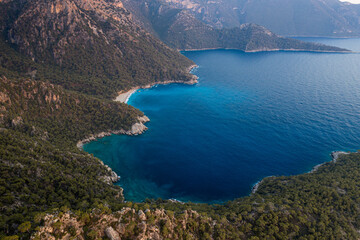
(94, 38)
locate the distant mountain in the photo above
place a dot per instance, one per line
(285, 17)
(180, 29)
(96, 39)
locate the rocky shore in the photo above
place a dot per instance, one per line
(334, 155)
(136, 129)
(257, 185)
(111, 178)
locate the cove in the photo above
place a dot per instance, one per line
(250, 116)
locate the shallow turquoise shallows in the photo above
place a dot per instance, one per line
(250, 116)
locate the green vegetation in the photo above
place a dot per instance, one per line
(320, 205)
(41, 168)
(117, 55)
(60, 116)
(56, 82)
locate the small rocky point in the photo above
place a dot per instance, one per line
(136, 129)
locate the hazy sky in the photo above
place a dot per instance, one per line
(352, 1)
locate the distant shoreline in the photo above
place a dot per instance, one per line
(265, 50)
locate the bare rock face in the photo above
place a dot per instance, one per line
(112, 234)
(138, 128)
(144, 119)
(18, 121)
(142, 215)
(121, 228)
(112, 178)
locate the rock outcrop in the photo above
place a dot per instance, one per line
(126, 224)
(111, 177)
(112, 234)
(335, 155)
(136, 129)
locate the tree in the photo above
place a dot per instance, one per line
(24, 227)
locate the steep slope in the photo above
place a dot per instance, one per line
(180, 29)
(41, 168)
(95, 38)
(285, 17)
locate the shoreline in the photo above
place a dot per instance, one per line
(124, 96)
(136, 129)
(334, 155)
(139, 127)
(266, 50)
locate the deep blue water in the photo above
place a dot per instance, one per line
(250, 116)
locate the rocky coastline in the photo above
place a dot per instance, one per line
(334, 155)
(266, 50)
(136, 129)
(256, 186)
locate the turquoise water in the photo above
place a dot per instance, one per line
(250, 116)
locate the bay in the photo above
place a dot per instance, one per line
(250, 116)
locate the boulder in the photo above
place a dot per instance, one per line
(112, 234)
(142, 215)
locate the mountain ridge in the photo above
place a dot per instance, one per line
(180, 29)
(285, 17)
(94, 38)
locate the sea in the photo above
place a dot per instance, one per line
(251, 115)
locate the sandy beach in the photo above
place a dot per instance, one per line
(124, 97)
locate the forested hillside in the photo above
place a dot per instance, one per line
(320, 205)
(93, 45)
(41, 168)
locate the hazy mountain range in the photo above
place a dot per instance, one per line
(284, 17)
(183, 29)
